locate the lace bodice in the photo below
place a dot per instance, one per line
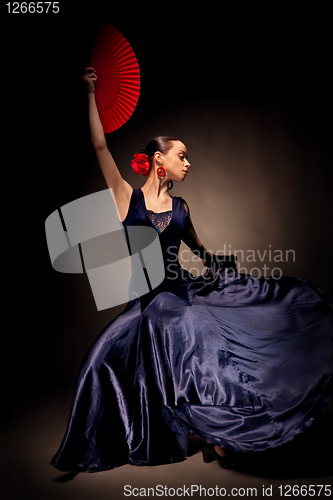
(176, 218)
(160, 220)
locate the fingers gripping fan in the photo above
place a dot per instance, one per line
(118, 84)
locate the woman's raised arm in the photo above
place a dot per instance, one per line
(121, 189)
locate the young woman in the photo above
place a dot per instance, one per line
(244, 363)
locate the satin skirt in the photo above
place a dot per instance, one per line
(242, 362)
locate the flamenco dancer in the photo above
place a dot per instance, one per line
(244, 363)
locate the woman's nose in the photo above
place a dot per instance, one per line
(188, 164)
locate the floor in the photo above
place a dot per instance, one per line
(32, 430)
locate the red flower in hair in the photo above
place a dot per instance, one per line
(140, 164)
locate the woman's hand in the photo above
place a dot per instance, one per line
(89, 79)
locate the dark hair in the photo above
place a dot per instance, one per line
(162, 143)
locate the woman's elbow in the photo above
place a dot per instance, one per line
(99, 145)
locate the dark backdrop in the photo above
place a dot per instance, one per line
(246, 90)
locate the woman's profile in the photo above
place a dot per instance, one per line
(244, 363)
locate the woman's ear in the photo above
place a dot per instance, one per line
(158, 157)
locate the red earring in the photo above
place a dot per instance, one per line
(161, 171)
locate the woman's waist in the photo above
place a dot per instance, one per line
(171, 272)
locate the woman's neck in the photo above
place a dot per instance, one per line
(155, 187)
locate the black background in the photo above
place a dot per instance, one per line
(195, 58)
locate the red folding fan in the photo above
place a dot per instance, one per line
(118, 84)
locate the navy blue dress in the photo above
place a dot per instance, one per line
(242, 362)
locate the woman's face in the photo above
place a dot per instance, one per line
(175, 162)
